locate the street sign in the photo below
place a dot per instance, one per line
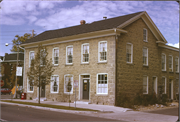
(19, 71)
(2, 83)
(76, 83)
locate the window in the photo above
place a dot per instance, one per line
(30, 87)
(102, 85)
(170, 63)
(145, 35)
(85, 53)
(145, 56)
(129, 55)
(163, 62)
(55, 84)
(102, 51)
(155, 84)
(68, 83)
(69, 54)
(177, 86)
(55, 56)
(145, 84)
(31, 57)
(163, 85)
(177, 64)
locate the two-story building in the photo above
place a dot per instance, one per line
(107, 57)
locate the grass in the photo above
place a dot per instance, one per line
(50, 106)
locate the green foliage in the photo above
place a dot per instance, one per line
(18, 40)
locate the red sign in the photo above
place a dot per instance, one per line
(2, 83)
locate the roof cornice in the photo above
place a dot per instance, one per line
(169, 47)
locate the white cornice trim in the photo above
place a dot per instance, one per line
(169, 47)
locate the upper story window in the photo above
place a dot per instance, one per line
(43, 55)
(163, 61)
(145, 84)
(177, 64)
(145, 56)
(31, 57)
(102, 51)
(55, 84)
(68, 83)
(102, 83)
(145, 35)
(55, 56)
(129, 53)
(85, 53)
(69, 54)
(164, 85)
(170, 63)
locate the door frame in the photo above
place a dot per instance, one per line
(171, 88)
(81, 85)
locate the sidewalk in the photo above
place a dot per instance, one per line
(110, 112)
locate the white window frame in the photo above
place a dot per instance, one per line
(99, 51)
(145, 35)
(131, 52)
(170, 69)
(97, 84)
(177, 86)
(52, 83)
(144, 56)
(72, 83)
(54, 56)
(82, 57)
(30, 57)
(164, 84)
(28, 87)
(177, 64)
(156, 85)
(147, 84)
(164, 62)
(67, 54)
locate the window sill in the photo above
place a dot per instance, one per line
(145, 40)
(68, 64)
(101, 95)
(129, 63)
(55, 65)
(103, 62)
(30, 91)
(164, 71)
(67, 93)
(54, 92)
(171, 72)
(145, 65)
(85, 63)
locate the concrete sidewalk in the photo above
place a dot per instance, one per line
(109, 112)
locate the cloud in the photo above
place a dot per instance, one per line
(174, 45)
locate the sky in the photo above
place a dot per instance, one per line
(18, 17)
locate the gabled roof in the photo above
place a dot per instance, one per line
(85, 28)
(12, 57)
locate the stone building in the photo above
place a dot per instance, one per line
(118, 55)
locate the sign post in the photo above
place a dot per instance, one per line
(75, 86)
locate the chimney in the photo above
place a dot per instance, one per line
(6, 54)
(104, 18)
(82, 22)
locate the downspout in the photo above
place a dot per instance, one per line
(24, 69)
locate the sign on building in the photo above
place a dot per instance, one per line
(19, 71)
(76, 83)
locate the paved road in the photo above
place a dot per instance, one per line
(17, 113)
(168, 111)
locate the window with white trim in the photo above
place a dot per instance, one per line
(145, 56)
(145, 84)
(102, 51)
(164, 85)
(31, 57)
(68, 83)
(55, 56)
(30, 87)
(145, 35)
(163, 61)
(129, 53)
(69, 54)
(55, 84)
(102, 84)
(177, 64)
(177, 86)
(85, 53)
(170, 63)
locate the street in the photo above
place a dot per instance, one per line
(18, 113)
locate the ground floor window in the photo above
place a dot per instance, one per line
(55, 84)
(30, 87)
(68, 83)
(102, 84)
(145, 84)
(163, 85)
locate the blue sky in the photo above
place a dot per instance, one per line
(20, 17)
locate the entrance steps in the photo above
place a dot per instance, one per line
(41, 99)
(82, 102)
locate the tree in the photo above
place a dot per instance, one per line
(18, 40)
(41, 69)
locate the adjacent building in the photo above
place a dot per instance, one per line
(124, 54)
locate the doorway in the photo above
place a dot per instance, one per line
(171, 89)
(84, 86)
(42, 91)
(155, 85)
(86, 89)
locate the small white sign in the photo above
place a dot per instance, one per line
(19, 71)
(76, 83)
